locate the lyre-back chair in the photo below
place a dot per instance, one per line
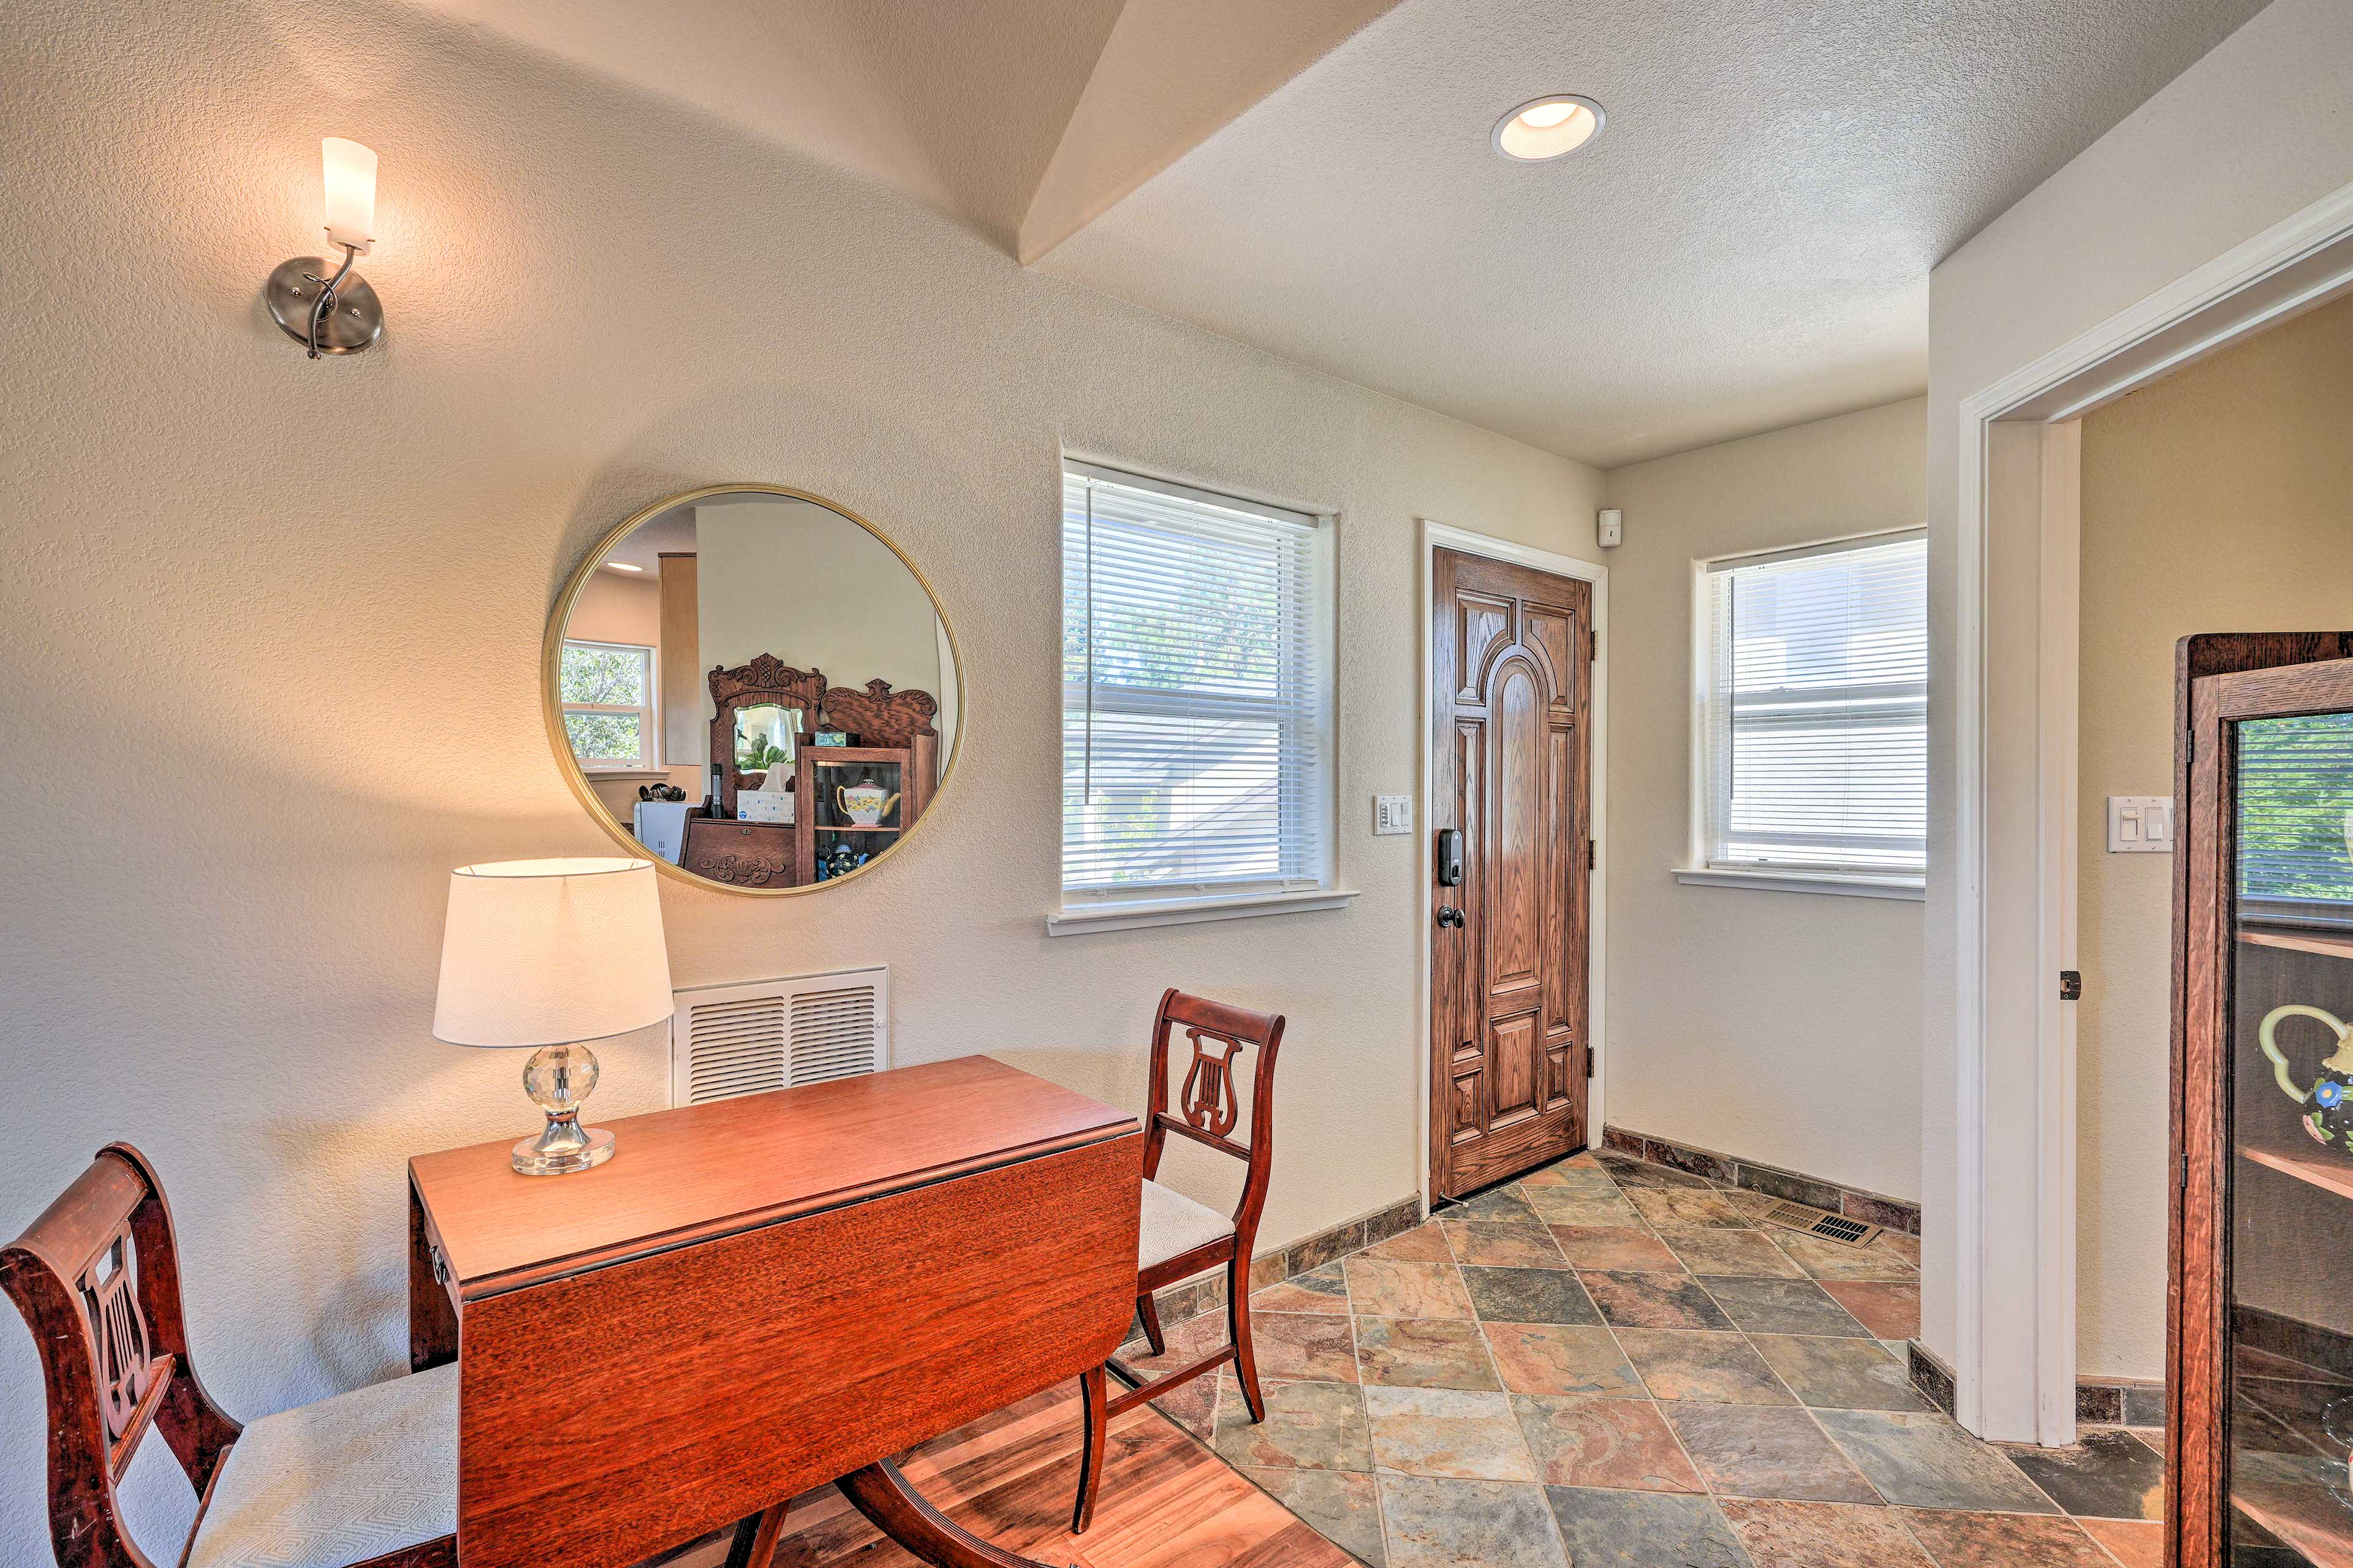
(97, 1277)
(1181, 1237)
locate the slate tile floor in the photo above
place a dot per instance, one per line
(1604, 1365)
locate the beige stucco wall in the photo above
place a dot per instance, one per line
(2220, 499)
(1781, 1027)
(328, 582)
(2250, 135)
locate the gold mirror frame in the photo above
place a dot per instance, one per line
(552, 707)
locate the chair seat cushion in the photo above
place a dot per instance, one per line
(338, 1482)
(1175, 1223)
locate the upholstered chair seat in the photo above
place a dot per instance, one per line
(1175, 1223)
(350, 1479)
(366, 1479)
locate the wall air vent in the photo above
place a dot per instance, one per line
(726, 1040)
(1829, 1226)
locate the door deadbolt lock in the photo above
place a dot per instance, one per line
(1448, 915)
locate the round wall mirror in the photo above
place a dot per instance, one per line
(751, 685)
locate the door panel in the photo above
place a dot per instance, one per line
(1508, 985)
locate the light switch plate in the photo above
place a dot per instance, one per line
(1392, 813)
(2140, 825)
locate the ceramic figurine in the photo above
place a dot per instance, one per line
(844, 860)
(2329, 1118)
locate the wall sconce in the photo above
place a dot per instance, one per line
(333, 311)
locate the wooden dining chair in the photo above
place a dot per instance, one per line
(368, 1478)
(1181, 1237)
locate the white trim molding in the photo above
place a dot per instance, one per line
(2014, 700)
(1436, 536)
(1126, 914)
(1842, 882)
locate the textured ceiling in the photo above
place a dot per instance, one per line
(1748, 245)
(961, 103)
(1021, 117)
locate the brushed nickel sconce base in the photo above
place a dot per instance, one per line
(353, 323)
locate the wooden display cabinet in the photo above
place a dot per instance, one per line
(2259, 1320)
(899, 752)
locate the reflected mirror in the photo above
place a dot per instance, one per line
(751, 685)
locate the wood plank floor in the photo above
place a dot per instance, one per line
(1167, 1501)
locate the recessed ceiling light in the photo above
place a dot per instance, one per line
(1548, 127)
(623, 566)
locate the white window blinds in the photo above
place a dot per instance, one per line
(1815, 708)
(1197, 745)
(2296, 819)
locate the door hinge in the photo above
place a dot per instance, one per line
(1588, 1062)
(2071, 986)
(1592, 854)
(2181, 1172)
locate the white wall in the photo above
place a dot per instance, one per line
(1780, 1027)
(2251, 133)
(789, 577)
(2220, 499)
(340, 636)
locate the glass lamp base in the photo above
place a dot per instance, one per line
(557, 1078)
(553, 1153)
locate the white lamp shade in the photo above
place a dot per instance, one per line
(349, 171)
(550, 952)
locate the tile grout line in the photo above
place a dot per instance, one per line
(1707, 1488)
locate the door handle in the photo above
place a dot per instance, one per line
(1448, 915)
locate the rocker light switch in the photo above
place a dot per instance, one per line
(1392, 813)
(2140, 825)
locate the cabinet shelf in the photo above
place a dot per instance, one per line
(2302, 941)
(2328, 1172)
(851, 827)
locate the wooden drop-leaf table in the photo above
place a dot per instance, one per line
(759, 1295)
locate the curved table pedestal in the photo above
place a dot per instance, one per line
(881, 1492)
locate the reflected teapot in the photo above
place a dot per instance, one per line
(865, 805)
(2329, 1118)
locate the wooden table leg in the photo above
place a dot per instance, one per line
(881, 1493)
(755, 1545)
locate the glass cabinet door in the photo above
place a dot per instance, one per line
(2289, 1116)
(859, 807)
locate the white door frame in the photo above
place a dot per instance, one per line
(2014, 706)
(1437, 536)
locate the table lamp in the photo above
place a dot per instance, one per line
(552, 954)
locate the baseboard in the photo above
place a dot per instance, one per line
(2099, 1401)
(2119, 1402)
(1931, 1376)
(1872, 1208)
(1206, 1292)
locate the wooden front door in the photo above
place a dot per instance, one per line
(1510, 719)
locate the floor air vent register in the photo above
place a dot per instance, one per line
(1814, 1222)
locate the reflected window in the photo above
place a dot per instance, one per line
(607, 695)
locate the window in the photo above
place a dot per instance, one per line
(1814, 712)
(608, 709)
(1197, 711)
(2295, 820)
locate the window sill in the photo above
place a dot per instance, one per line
(1846, 884)
(630, 774)
(1128, 915)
